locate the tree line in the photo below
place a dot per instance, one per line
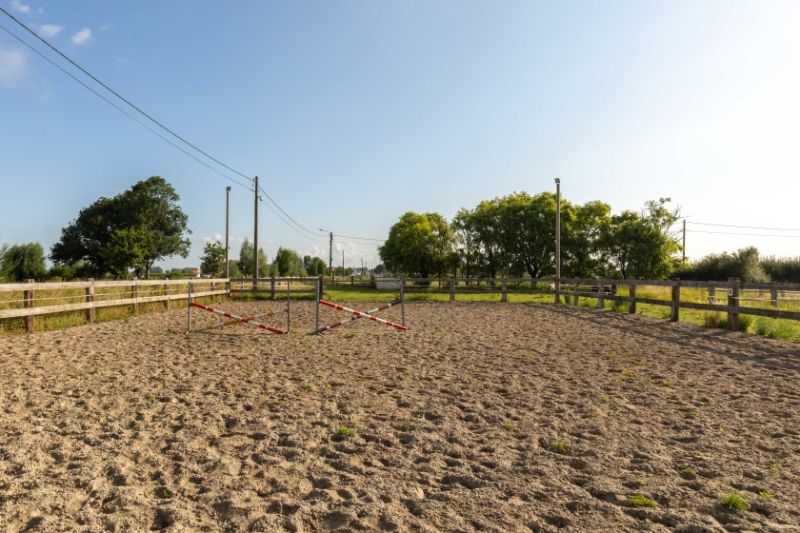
(287, 262)
(514, 235)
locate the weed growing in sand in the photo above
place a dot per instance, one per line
(637, 500)
(345, 432)
(604, 398)
(559, 446)
(689, 472)
(695, 414)
(308, 387)
(639, 482)
(734, 502)
(666, 382)
(766, 495)
(628, 373)
(773, 467)
(163, 493)
(508, 426)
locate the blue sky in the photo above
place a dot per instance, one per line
(352, 113)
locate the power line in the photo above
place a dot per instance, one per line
(359, 238)
(741, 227)
(745, 234)
(115, 93)
(314, 233)
(120, 109)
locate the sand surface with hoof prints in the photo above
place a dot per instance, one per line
(482, 417)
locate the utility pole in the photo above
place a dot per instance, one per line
(684, 241)
(330, 257)
(227, 230)
(255, 238)
(558, 241)
(342, 261)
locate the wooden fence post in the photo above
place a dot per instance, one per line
(733, 304)
(28, 298)
(90, 313)
(272, 286)
(773, 296)
(712, 295)
(601, 300)
(166, 293)
(452, 290)
(575, 297)
(556, 291)
(135, 298)
(676, 301)
(228, 287)
(632, 295)
(504, 292)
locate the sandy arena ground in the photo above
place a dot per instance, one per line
(136, 426)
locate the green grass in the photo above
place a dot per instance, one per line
(734, 502)
(637, 500)
(766, 495)
(508, 426)
(559, 446)
(345, 432)
(689, 472)
(163, 493)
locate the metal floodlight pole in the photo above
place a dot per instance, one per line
(558, 241)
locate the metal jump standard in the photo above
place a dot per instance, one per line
(356, 314)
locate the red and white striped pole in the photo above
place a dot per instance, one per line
(356, 317)
(363, 315)
(240, 319)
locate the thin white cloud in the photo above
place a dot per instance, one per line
(106, 27)
(83, 36)
(48, 31)
(13, 65)
(19, 6)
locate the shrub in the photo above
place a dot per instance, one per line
(560, 446)
(712, 319)
(345, 432)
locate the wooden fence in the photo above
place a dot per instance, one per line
(31, 299)
(733, 298)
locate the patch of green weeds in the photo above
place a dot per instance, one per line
(734, 502)
(637, 500)
(508, 426)
(559, 446)
(163, 493)
(766, 495)
(345, 432)
(689, 472)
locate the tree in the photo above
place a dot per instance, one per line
(743, 264)
(129, 231)
(639, 245)
(316, 267)
(379, 269)
(23, 261)
(213, 259)
(246, 260)
(289, 263)
(418, 245)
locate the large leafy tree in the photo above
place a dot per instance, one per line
(129, 231)
(213, 260)
(22, 262)
(419, 245)
(316, 266)
(288, 263)
(639, 245)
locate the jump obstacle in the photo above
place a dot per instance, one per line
(251, 320)
(356, 314)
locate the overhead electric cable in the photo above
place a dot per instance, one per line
(741, 227)
(120, 109)
(118, 95)
(314, 233)
(745, 234)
